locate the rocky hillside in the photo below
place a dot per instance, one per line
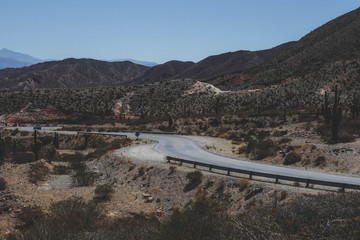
(322, 51)
(70, 73)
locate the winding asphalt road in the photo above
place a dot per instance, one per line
(184, 148)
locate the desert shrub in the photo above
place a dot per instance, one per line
(260, 123)
(119, 143)
(220, 188)
(100, 151)
(49, 153)
(14, 132)
(234, 136)
(215, 122)
(24, 133)
(194, 180)
(319, 160)
(141, 171)
(75, 214)
(138, 226)
(131, 168)
(251, 146)
(135, 176)
(29, 216)
(96, 142)
(263, 149)
(60, 170)
(2, 184)
(84, 177)
(38, 172)
(260, 149)
(292, 158)
(202, 219)
(284, 140)
(103, 192)
(46, 140)
(208, 184)
(65, 219)
(23, 157)
(296, 184)
(243, 184)
(71, 158)
(325, 132)
(172, 169)
(279, 133)
(263, 134)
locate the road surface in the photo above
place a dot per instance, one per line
(185, 148)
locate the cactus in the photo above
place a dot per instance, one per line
(86, 136)
(336, 116)
(2, 148)
(326, 109)
(355, 107)
(36, 146)
(171, 121)
(56, 141)
(14, 147)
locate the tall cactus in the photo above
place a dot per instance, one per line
(336, 116)
(86, 141)
(326, 109)
(56, 141)
(170, 120)
(36, 146)
(2, 148)
(355, 107)
(14, 147)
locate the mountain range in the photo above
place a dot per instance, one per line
(13, 59)
(330, 51)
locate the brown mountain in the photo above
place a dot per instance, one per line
(70, 73)
(321, 50)
(162, 72)
(219, 65)
(210, 67)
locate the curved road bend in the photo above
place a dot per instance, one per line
(182, 147)
(185, 148)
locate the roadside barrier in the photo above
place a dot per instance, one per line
(102, 133)
(276, 177)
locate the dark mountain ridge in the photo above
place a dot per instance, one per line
(337, 40)
(70, 73)
(222, 64)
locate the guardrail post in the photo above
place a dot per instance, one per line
(228, 172)
(307, 183)
(168, 159)
(343, 188)
(210, 168)
(250, 175)
(194, 165)
(277, 179)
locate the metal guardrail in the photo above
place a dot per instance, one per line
(150, 132)
(307, 181)
(102, 133)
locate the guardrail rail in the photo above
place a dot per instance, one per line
(277, 177)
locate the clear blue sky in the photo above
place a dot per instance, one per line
(158, 30)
